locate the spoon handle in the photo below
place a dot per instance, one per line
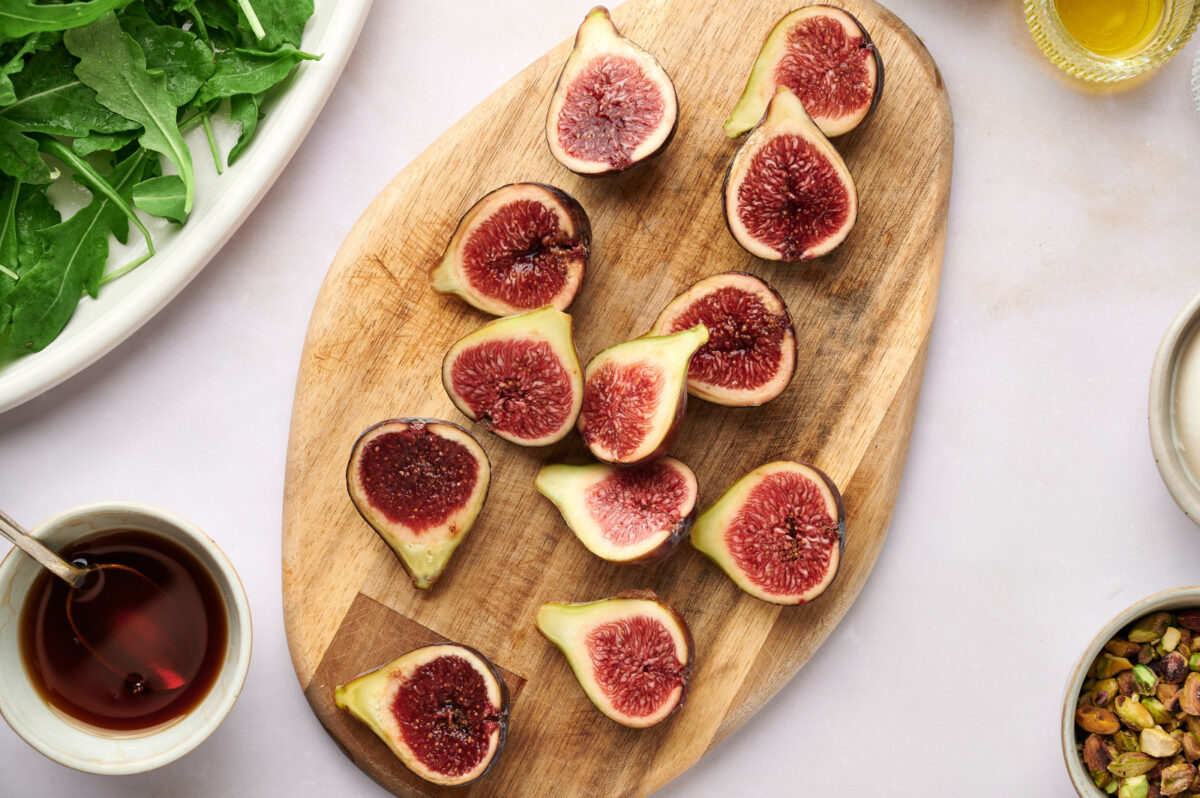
(40, 552)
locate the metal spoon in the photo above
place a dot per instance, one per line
(122, 617)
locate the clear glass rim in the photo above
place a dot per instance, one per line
(1067, 54)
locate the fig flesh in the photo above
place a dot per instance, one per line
(442, 709)
(825, 56)
(631, 516)
(420, 483)
(631, 654)
(788, 194)
(614, 105)
(634, 395)
(520, 247)
(778, 532)
(520, 374)
(750, 356)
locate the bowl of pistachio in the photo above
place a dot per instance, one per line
(1131, 715)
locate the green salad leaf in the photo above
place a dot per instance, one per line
(113, 64)
(76, 251)
(162, 196)
(251, 71)
(51, 99)
(101, 92)
(22, 17)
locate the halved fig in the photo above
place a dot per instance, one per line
(520, 374)
(520, 247)
(631, 516)
(825, 56)
(751, 351)
(442, 709)
(778, 532)
(788, 194)
(634, 395)
(631, 654)
(614, 105)
(419, 483)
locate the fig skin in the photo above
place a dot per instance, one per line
(665, 426)
(766, 293)
(599, 21)
(785, 110)
(708, 533)
(545, 324)
(448, 277)
(567, 485)
(363, 698)
(762, 82)
(426, 554)
(565, 625)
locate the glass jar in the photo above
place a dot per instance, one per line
(1178, 20)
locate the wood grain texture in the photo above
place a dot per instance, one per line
(378, 333)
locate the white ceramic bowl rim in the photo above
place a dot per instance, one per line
(69, 743)
(1161, 410)
(1172, 599)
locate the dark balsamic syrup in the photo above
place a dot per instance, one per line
(122, 683)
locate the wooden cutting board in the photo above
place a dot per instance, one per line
(378, 333)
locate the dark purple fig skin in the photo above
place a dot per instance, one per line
(576, 213)
(665, 549)
(505, 700)
(652, 156)
(729, 172)
(428, 422)
(579, 217)
(650, 595)
(868, 44)
(787, 315)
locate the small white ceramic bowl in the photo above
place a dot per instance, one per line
(84, 747)
(1175, 599)
(1163, 410)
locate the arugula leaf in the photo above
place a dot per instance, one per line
(51, 99)
(13, 65)
(22, 17)
(185, 60)
(161, 196)
(250, 71)
(34, 214)
(86, 174)
(217, 14)
(25, 211)
(8, 247)
(114, 66)
(19, 155)
(75, 252)
(282, 20)
(246, 109)
(103, 142)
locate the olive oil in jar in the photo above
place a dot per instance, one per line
(1111, 28)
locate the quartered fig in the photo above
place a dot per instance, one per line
(442, 709)
(824, 55)
(614, 105)
(631, 654)
(788, 194)
(420, 483)
(632, 516)
(634, 395)
(751, 351)
(520, 247)
(520, 374)
(778, 532)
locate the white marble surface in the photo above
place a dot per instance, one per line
(1030, 512)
